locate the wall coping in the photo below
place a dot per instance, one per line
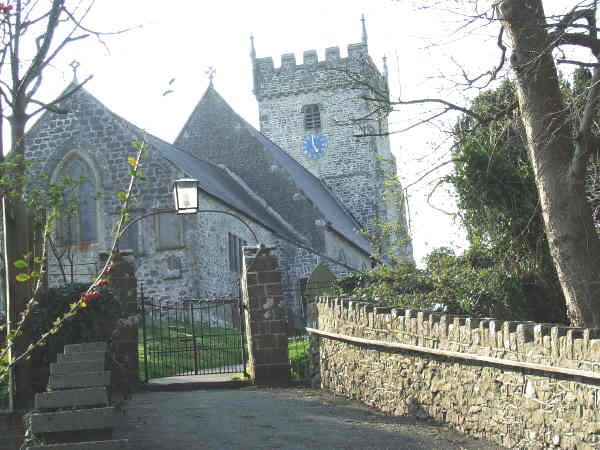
(540, 347)
(458, 355)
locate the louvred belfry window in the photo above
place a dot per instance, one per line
(312, 118)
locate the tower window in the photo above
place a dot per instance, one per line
(235, 253)
(312, 117)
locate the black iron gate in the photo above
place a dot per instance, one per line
(192, 337)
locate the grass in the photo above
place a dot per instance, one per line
(170, 351)
(174, 351)
(299, 354)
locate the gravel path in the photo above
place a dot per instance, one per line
(293, 418)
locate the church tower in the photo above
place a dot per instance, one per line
(322, 114)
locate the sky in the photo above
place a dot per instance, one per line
(180, 39)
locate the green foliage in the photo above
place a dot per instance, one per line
(494, 181)
(469, 284)
(93, 323)
(508, 272)
(499, 204)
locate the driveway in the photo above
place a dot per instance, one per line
(291, 418)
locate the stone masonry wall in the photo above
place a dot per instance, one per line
(265, 317)
(354, 168)
(515, 407)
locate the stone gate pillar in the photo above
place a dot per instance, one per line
(125, 335)
(265, 317)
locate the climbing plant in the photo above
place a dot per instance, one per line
(32, 271)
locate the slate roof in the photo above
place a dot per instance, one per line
(338, 218)
(218, 183)
(212, 179)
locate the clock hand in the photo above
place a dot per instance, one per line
(312, 139)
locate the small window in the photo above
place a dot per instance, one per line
(312, 118)
(169, 231)
(235, 253)
(129, 241)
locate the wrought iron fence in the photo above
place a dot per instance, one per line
(299, 354)
(298, 339)
(192, 337)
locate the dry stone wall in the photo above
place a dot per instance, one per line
(466, 372)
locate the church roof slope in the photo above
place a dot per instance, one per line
(336, 215)
(214, 180)
(218, 183)
(204, 129)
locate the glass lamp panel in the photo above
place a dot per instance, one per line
(186, 196)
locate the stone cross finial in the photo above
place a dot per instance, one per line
(74, 65)
(211, 74)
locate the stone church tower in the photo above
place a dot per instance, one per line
(322, 114)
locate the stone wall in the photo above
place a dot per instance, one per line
(12, 429)
(520, 384)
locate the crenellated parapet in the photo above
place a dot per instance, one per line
(356, 71)
(545, 344)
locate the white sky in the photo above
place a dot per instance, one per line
(181, 38)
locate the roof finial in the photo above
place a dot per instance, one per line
(364, 29)
(74, 65)
(211, 75)
(252, 50)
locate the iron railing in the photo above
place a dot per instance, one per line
(192, 337)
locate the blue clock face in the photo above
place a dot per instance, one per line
(314, 145)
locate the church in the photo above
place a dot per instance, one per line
(313, 182)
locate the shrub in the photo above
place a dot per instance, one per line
(94, 323)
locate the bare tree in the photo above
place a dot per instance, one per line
(32, 35)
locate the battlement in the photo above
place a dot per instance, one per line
(546, 344)
(313, 73)
(356, 52)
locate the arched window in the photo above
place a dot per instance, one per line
(78, 220)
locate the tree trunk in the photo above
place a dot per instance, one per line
(573, 241)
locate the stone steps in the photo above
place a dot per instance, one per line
(72, 398)
(79, 380)
(86, 348)
(81, 356)
(74, 420)
(92, 365)
(114, 444)
(75, 412)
